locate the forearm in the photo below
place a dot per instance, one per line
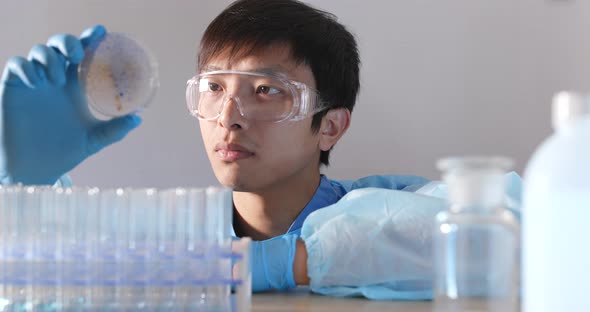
(300, 264)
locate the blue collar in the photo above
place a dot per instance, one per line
(328, 192)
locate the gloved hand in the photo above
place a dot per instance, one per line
(375, 243)
(272, 263)
(46, 126)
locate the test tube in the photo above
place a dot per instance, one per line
(219, 213)
(111, 243)
(170, 237)
(16, 269)
(4, 226)
(6, 237)
(48, 291)
(242, 275)
(21, 249)
(78, 212)
(139, 249)
(219, 207)
(89, 210)
(195, 269)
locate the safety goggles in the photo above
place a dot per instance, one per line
(258, 96)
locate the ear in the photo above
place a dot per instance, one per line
(333, 127)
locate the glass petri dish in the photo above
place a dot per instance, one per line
(119, 75)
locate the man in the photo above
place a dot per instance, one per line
(277, 82)
(272, 159)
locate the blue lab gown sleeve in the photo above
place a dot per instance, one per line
(390, 182)
(377, 243)
(272, 259)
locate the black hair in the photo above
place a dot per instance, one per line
(314, 36)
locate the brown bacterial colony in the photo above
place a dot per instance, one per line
(121, 80)
(101, 78)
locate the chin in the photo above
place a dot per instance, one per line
(231, 180)
(236, 187)
(243, 183)
(240, 180)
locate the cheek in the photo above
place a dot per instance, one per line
(206, 131)
(291, 144)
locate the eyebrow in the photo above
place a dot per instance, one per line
(208, 68)
(276, 70)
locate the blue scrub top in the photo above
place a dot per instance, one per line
(330, 191)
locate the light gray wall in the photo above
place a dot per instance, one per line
(439, 78)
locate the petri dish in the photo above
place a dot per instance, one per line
(119, 75)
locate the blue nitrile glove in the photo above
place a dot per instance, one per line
(46, 126)
(272, 263)
(375, 243)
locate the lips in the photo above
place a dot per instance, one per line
(231, 152)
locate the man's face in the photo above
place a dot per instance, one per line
(252, 156)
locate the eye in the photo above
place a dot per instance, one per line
(267, 90)
(208, 85)
(214, 87)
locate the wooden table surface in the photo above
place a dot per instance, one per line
(301, 300)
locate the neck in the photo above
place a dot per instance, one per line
(270, 212)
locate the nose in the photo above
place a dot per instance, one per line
(231, 116)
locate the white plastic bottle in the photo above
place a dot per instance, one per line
(556, 213)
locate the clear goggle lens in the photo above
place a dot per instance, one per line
(258, 96)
